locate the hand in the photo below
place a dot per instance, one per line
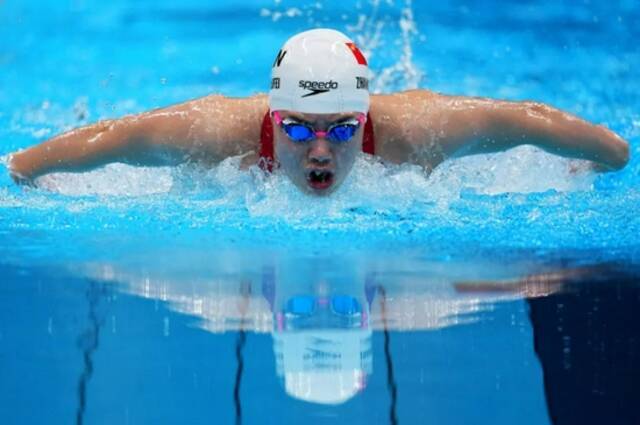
(22, 181)
(19, 178)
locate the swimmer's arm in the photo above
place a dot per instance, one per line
(208, 129)
(495, 126)
(440, 127)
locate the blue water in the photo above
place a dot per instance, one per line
(122, 289)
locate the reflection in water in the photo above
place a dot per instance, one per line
(588, 340)
(322, 316)
(322, 339)
(323, 366)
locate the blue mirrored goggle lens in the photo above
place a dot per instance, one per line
(298, 132)
(301, 305)
(302, 133)
(345, 305)
(342, 133)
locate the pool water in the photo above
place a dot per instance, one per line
(500, 289)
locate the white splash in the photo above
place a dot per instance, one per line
(404, 74)
(370, 183)
(277, 15)
(113, 179)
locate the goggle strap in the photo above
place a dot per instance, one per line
(277, 117)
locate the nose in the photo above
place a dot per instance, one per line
(320, 152)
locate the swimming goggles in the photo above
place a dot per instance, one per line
(301, 132)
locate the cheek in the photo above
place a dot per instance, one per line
(347, 153)
(288, 155)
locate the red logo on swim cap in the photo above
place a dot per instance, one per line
(357, 53)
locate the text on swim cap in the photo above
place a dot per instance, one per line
(279, 58)
(362, 83)
(318, 85)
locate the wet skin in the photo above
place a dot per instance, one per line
(318, 166)
(416, 127)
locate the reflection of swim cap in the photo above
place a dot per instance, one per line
(320, 71)
(323, 366)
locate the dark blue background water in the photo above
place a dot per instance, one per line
(78, 350)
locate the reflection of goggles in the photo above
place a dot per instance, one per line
(306, 305)
(345, 308)
(301, 132)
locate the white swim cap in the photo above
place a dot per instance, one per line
(320, 71)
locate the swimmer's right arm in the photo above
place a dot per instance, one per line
(208, 129)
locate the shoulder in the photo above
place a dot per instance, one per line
(397, 118)
(402, 97)
(221, 126)
(389, 111)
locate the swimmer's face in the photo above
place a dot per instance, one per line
(318, 166)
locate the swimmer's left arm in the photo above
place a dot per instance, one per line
(449, 126)
(504, 125)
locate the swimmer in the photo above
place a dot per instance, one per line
(315, 121)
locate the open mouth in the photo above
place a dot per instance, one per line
(320, 179)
